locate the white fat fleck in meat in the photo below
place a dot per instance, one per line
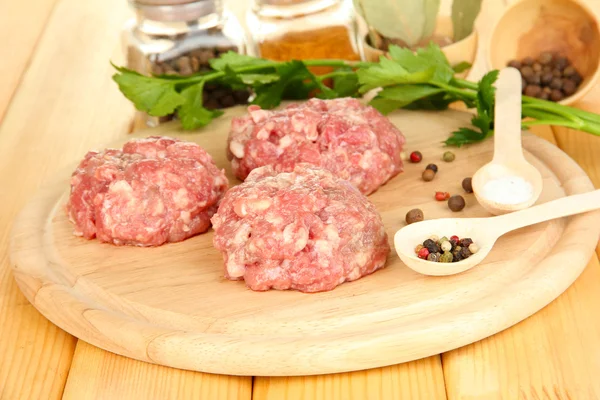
(234, 269)
(185, 217)
(298, 235)
(366, 159)
(237, 149)
(181, 198)
(360, 259)
(285, 141)
(258, 115)
(242, 234)
(158, 209)
(243, 208)
(323, 248)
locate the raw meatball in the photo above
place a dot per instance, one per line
(153, 191)
(352, 140)
(306, 230)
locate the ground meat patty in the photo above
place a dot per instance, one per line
(354, 141)
(153, 191)
(306, 230)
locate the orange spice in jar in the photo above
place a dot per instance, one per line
(284, 30)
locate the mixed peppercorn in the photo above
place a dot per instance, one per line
(549, 77)
(455, 203)
(446, 250)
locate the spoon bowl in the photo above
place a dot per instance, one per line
(494, 170)
(407, 238)
(483, 231)
(508, 160)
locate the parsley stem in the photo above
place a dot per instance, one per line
(542, 107)
(452, 89)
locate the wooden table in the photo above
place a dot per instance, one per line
(57, 101)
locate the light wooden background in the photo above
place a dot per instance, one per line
(57, 101)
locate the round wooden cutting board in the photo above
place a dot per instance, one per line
(171, 305)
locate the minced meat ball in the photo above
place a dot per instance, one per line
(153, 191)
(354, 141)
(306, 230)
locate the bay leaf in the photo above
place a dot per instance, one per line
(430, 9)
(395, 19)
(464, 13)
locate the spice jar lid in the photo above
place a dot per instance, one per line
(176, 10)
(290, 8)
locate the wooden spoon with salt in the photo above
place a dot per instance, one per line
(508, 161)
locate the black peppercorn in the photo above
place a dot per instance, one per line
(465, 252)
(533, 90)
(556, 95)
(569, 87)
(527, 61)
(432, 167)
(546, 78)
(456, 203)
(545, 58)
(467, 185)
(515, 64)
(527, 72)
(535, 78)
(414, 215)
(556, 83)
(465, 242)
(432, 246)
(561, 63)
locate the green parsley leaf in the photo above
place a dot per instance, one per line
(385, 106)
(406, 94)
(388, 73)
(464, 136)
(293, 72)
(430, 57)
(155, 96)
(192, 114)
(346, 85)
(461, 67)
(232, 59)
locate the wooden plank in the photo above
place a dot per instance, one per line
(421, 379)
(63, 106)
(97, 374)
(555, 354)
(21, 24)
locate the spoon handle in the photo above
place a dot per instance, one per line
(507, 121)
(563, 207)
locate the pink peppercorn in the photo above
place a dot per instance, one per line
(423, 253)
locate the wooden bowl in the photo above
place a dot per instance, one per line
(566, 27)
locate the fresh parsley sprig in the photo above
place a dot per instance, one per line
(413, 80)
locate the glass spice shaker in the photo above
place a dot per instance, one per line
(283, 30)
(181, 37)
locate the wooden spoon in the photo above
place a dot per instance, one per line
(483, 231)
(508, 160)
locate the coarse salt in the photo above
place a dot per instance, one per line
(508, 190)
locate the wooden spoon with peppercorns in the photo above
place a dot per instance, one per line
(508, 161)
(483, 231)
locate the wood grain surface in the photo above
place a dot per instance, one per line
(21, 25)
(126, 299)
(26, 333)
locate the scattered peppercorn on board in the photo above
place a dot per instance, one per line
(171, 305)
